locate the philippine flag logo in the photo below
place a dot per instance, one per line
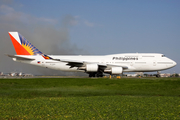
(39, 62)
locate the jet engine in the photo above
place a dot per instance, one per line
(115, 70)
(91, 68)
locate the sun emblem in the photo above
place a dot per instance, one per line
(29, 47)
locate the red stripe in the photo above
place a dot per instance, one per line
(20, 50)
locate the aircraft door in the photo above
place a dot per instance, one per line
(131, 64)
(102, 61)
(154, 63)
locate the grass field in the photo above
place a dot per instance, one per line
(85, 98)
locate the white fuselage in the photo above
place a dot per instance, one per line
(135, 62)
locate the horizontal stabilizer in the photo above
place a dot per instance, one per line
(20, 57)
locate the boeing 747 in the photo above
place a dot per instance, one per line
(114, 64)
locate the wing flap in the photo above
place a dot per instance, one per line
(73, 63)
(112, 65)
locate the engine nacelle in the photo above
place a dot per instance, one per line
(116, 70)
(91, 68)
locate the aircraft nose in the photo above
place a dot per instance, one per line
(171, 63)
(174, 63)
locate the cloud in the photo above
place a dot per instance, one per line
(47, 20)
(9, 14)
(79, 20)
(41, 32)
(89, 24)
(6, 1)
(69, 20)
(6, 9)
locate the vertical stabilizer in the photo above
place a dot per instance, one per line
(22, 46)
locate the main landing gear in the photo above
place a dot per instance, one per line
(93, 74)
(158, 74)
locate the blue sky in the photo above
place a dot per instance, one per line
(94, 27)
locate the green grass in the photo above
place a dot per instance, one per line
(85, 98)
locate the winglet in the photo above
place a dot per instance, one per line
(22, 46)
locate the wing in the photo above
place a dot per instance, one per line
(73, 63)
(81, 65)
(77, 63)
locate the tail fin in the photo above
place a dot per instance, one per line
(22, 46)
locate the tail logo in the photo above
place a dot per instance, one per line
(29, 47)
(22, 46)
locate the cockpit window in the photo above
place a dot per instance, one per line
(163, 55)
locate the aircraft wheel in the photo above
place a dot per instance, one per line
(158, 76)
(100, 75)
(92, 74)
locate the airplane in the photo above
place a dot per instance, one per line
(95, 66)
